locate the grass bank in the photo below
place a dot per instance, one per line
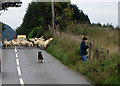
(102, 70)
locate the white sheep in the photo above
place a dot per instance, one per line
(31, 39)
(14, 43)
(36, 43)
(40, 44)
(43, 44)
(6, 43)
(30, 44)
(24, 43)
(5, 40)
(47, 42)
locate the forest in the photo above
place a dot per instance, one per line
(38, 18)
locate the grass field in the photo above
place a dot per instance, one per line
(101, 70)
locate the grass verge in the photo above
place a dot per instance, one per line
(102, 70)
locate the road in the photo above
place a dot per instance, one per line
(20, 66)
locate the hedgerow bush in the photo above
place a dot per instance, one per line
(36, 32)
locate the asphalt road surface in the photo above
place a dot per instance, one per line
(20, 66)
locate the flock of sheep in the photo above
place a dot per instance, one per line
(39, 42)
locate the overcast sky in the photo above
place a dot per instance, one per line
(99, 11)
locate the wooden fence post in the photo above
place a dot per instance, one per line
(102, 50)
(97, 52)
(90, 50)
(108, 52)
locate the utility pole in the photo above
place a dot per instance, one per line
(53, 16)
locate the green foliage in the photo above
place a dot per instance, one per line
(33, 18)
(63, 15)
(3, 27)
(100, 71)
(36, 32)
(39, 14)
(95, 33)
(47, 35)
(78, 29)
(78, 15)
(105, 25)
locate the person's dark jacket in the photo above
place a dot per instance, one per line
(83, 48)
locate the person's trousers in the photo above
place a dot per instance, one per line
(84, 58)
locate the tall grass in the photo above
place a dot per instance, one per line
(102, 70)
(103, 37)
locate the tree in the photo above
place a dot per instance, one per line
(36, 32)
(79, 16)
(63, 14)
(3, 27)
(33, 18)
(39, 14)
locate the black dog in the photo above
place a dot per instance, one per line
(40, 57)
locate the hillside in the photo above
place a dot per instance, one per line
(103, 67)
(8, 33)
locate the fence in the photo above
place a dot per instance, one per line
(97, 52)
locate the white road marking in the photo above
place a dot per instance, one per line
(18, 68)
(21, 82)
(16, 54)
(17, 61)
(19, 71)
(15, 50)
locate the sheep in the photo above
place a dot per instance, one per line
(6, 43)
(5, 40)
(30, 44)
(35, 39)
(14, 43)
(40, 44)
(24, 43)
(31, 39)
(47, 42)
(43, 44)
(36, 43)
(50, 39)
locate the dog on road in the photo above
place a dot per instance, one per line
(40, 57)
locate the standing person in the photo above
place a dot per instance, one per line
(83, 49)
